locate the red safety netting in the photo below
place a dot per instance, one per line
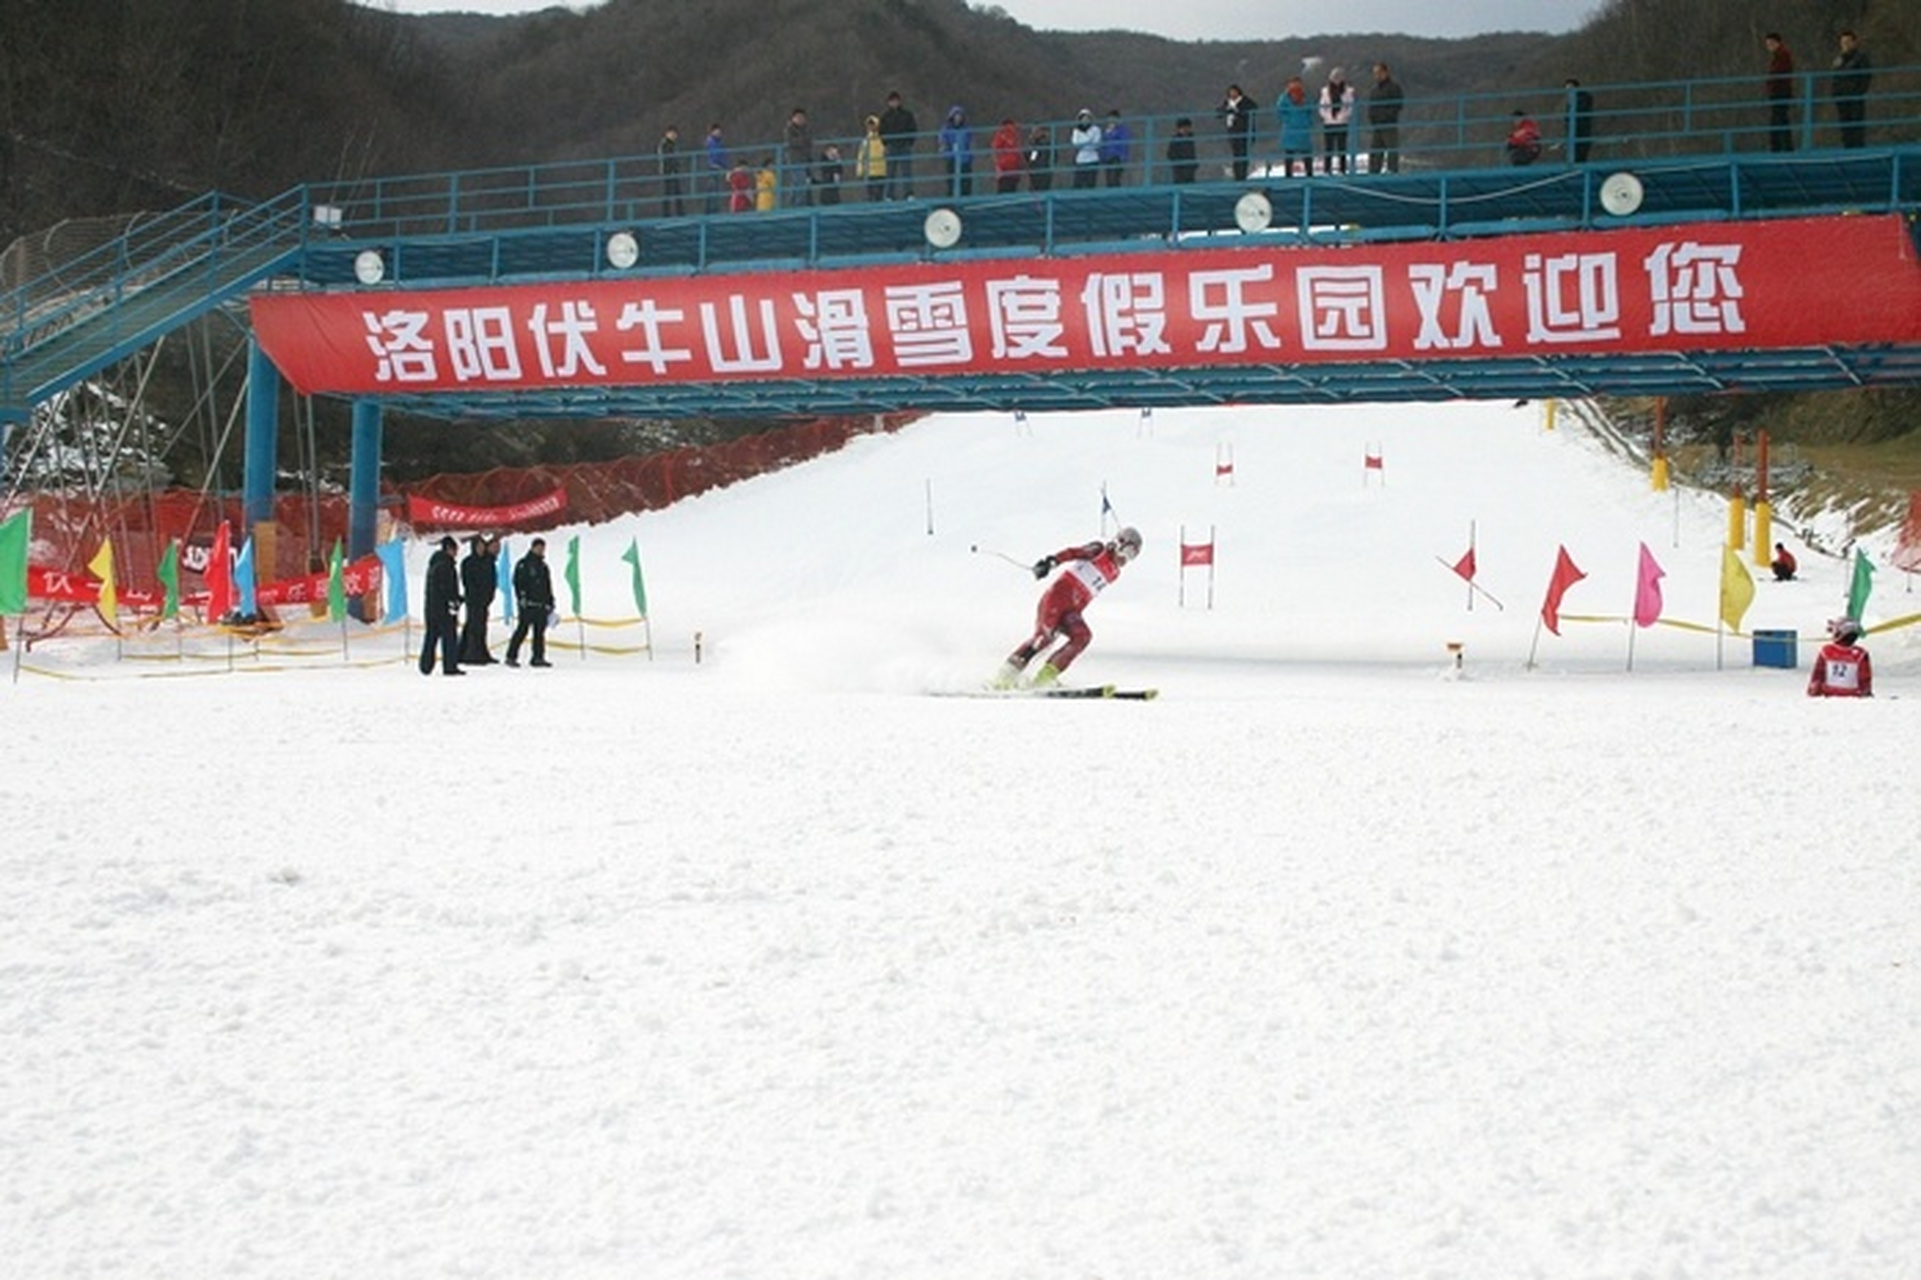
(68, 527)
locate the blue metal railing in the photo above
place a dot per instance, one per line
(1627, 123)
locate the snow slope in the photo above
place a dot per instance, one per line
(1334, 961)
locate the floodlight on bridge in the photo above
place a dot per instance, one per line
(942, 228)
(623, 251)
(1253, 212)
(369, 266)
(1621, 194)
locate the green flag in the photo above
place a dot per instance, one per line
(169, 575)
(337, 585)
(632, 557)
(1862, 584)
(572, 573)
(16, 535)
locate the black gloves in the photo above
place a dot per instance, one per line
(1044, 566)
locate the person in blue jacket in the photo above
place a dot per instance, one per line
(957, 150)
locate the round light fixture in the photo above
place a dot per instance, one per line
(1621, 194)
(369, 266)
(1253, 212)
(623, 251)
(942, 228)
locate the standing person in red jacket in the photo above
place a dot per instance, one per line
(1089, 570)
(1843, 669)
(1009, 158)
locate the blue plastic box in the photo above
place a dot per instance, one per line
(1777, 649)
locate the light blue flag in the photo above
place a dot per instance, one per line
(504, 580)
(393, 571)
(243, 580)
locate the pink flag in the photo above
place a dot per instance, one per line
(1565, 576)
(1647, 591)
(1465, 565)
(220, 575)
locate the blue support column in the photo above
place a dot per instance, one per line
(263, 437)
(363, 481)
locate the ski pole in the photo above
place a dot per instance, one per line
(1024, 565)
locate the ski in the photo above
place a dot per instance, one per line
(1057, 691)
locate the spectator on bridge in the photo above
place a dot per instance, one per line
(1237, 112)
(673, 192)
(1842, 669)
(1039, 158)
(1117, 148)
(1580, 121)
(1297, 128)
(1085, 138)
(833, 171)
(1523, 140)
(957, 152)
(898, 129)
(1337, 111)
(767, 186)
(441, 612)
(1780, 86)
(1181, 163)
(479, 573)
(534, 596)
(714, 153)
(1006, 145)
(1384, 102)
(797, 159)
(1783, 564)
(740, 188)
(870, 160)
(1852, 73)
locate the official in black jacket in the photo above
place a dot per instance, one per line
(442, 611)
(479, 573)
(534, 597)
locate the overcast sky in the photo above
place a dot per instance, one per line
(1216, 19)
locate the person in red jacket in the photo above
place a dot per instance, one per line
(1843, 669)
(1087, 570)
(1010, 158)
(1784, 564)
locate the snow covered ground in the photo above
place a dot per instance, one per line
(1331, 962)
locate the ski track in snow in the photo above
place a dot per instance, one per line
(1324, 964)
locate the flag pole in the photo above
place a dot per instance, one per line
(1535, 646)
(1180, 598)
(1211, 558)
(1470, 551)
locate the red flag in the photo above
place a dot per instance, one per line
(1373, 462)
(1565, 576)
(1647, 590)
(1197, 553)
(1465, 565)
(220, 575)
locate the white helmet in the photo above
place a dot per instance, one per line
(1845, 630)
(1127, 543)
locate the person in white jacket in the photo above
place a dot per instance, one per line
(1086, 141)
(1337, 111)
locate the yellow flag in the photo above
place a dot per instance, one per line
(101, 567)
(1737, 589)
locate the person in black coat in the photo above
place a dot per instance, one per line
(1237, 113)
(479, 574)
(534, 597)
(442, 611)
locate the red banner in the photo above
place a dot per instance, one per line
(1719, 286)
(432, 512)
(1202, 553)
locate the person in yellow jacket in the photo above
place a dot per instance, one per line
(870, 161)
(766, 187)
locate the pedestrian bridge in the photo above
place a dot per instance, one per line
(568, 289)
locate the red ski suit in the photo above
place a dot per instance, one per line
(1086, 571)
(1842, 671)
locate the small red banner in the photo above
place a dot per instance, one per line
(1197, 554)
(434, 513)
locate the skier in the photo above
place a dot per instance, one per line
(1089, 569)
(1842, 669)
